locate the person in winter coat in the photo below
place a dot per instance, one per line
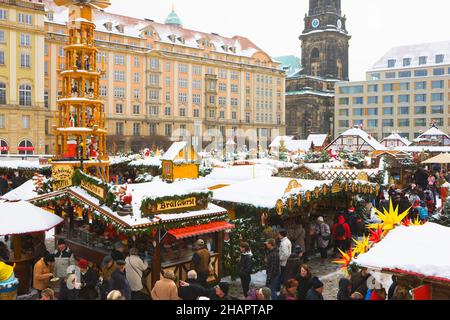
(404, 203)
(119, 251)
(63, 259)
(316, 291)
(345, 289)
(192, 289)
(289, 292)
(43, 272)
(119, 280)
(69, 288)
(135, 268)
(359, 281)
(89, 280)
(106, 271)
(378, 294)
(285, 253)
(423, 211)
(353, 221)
(3, 185)
(323, 240)
(297, 235)
(200, 260)
(293, 264)
(392, 287)
(245, 267)
(166, 288)
(429, 201)
(221, 292)
(259, 294)
(304, 279)
(421, 178)
(341, 234)
(273, 267)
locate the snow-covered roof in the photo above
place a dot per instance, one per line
(429, 50)
(433, 132)
(298, 145)
(14, 164)
(23, 217)
(417, 249)
(262, 192)
(317, 139)
(134, 27)
(276, 142)
(24, 192)
(396, 137)
(310, 92)
(431, 149)
(174, 150)
(357, 132)
(230, 175)
(146, 162)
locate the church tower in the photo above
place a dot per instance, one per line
(325, 41)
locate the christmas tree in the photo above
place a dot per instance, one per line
(283, 151)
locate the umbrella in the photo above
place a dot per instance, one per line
(22, 217)
(442, 158)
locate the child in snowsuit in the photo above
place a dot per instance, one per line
(423, 211)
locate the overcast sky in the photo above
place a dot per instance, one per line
(275, 25)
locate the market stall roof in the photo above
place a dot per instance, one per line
(263, 192)
(430, 149)
(235, 174)
(421, 250)
(25, 192)
(442, 158)
(317, 139)
(396, 137)
(193, 231)
(23, 217)
(367, 141)
(15, 164)
(146, 162)
(174, 150)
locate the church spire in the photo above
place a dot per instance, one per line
(324, 6)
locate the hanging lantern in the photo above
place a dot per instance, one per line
(359, 188)
(325, 189)
(316, 192)
(279, 207)
(353, 187)
(336, 188)
(290, 204)
(308, 196)
(299, 200)
(345, 184)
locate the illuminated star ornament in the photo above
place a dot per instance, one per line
(376, 235)
(390, 218)
(346, 259)
(361, 246)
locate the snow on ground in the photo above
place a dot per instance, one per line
(418, 249)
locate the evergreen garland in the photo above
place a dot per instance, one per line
(202, 199)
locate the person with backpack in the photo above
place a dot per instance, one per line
(341, 234)
(423, 211)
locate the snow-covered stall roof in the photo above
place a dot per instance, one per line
(235, 174)
(430, 149)
(317, 139)
(146, 162)
(14, 164)
(25, 192)
(395, 137)
(23, 217)
(276, 142)
(262, 192)
(346, 140)
(417, 249)
(299, 145)
(434, 134)
(174, 150)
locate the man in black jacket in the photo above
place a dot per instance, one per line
(273, 267)
(119, 280)
(3, 185)
(245, 267)
(89, 279)
(359, 281)
(192, 289)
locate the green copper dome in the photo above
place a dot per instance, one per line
(173, 19)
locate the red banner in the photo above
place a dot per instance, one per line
(25, 148)
(6, 148)
(422, 293)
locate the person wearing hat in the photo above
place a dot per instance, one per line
(43, 272)
(166, 288)
(323, 239)
(221, 291)
(293, 264)
(89, 280)
(63, 259)
(315, 293)
(119, 280)
(259, 294)
(119, 251)
(106, 271)
(200, 260)
(273, 267)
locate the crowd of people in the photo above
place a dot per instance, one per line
(10, 181)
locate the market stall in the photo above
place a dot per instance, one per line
(16, 220)
(162, 220)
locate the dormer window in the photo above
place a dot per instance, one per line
(439, 58)
(172, 37)
(108, 26)
(406, 62)
(225, 47)
(233, 49)
(49, 16)
(120, 28)
(391, 63)
(181, 39)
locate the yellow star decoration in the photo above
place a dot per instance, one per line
(417, 223)
(361, 246)
(389, 218)
(345, 260)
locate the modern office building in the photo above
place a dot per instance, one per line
(406, 91)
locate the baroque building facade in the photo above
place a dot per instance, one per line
(325, 61)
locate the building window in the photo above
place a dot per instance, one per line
(136, 62)
(388, 87)
(119, 76)
(25, 60)
(182, 97)
(391, 63)
(358, 112)
(421, 85)
(388, 99)
(372, 111)
(233, 115)
(103, 91)
(25, 95)
(439, 58)
(3, 14)
(420, 122)
(403, 123)
(167, 111)
(136, 77)
(167, 96)
(421, 73)
(153, 95)
(182, 68)
(136, 94)
(119, 60)
(136, 129)
(222, 114)
(2, 123)
(119, 128)
(437, 97)
(437, 109)
(212, 99)
(439, 84)
(406, 62)
(152, 129)
(136, 109)
(358, 122)
(196, 113)
(420, 97)
(423, 60)
(404, 74)
(168, 66)
(390, 75)
(439, 72)
(119, 108)
(372, 123)
(404, 86)
(343, 112)
(247, 117)
(388, 111)
(26, 122)
(168, 130)
(212, 113)
(25, 40)
(343, 124)
(358, 100)
(25, 148)
(25, 18)
(182, 112)
(344, 101)
(372, 88)
(46, 99)
(2, 93)
(119, 92)
(403, 98)
(372, 100)
(388, 122)
(403, 110)
(234, 102)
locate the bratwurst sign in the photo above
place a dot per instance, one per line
(170, 205)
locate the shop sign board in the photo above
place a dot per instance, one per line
(169, 205)
(62, 176)
(92, 188)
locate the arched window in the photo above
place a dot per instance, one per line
(315, 54)
(25, 94)
(25, 147)
(4, 148)
(2, 93)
